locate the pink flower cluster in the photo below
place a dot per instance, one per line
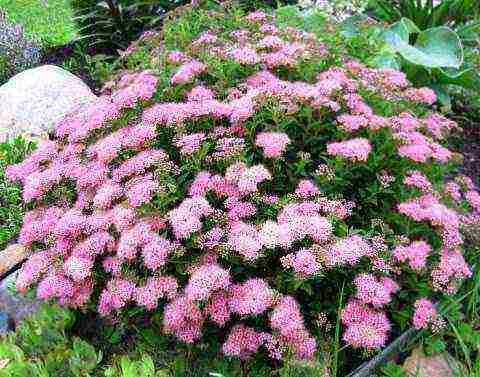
(354, 149)
(414, 254)
(272, 143)
(425, 313)
(228, 208)
(365, 327)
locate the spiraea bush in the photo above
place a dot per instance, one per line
(249, 188)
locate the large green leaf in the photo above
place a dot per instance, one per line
(467, 78)
(438, 47)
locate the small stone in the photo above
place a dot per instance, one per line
(33, 101)
(440, 365)
(4, 323)
(11, 256)
(15, 305)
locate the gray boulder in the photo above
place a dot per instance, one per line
(14, 306)
(33, 101)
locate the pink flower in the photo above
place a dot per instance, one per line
(423, 95)
(243, 341)
(425, 313)
(273, 143)
(415, 254)
(205, 280)
(183, 319)
(245, 239)
(366, 328)
(251, 298)
(306, 189)
(154, 289)
(417, 179)
(187, 72)
(303, 263)
(371, 290)
(78, 268)
(200, 93)
(245, 56)
(288, 321)
(189, 144)
(354, 149)
(347, 251)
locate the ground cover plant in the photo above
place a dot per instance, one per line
(51, 23)
(253, 189)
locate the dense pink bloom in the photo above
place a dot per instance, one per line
(347, 251)
(187, 72)
(189, 144)
(78, 268)
(351, 123)
(154, 289)
(205, 280)
(306, 189)
(200, 93)
(473, 198)
(374, 291)
(183, 319)
(116, 295)
(217, 309)
(288, 321)
(366, 328)
(417, 179)
(425, 95)
(246, 56)
(414, 254)
(303, 263)
(425, 313)
(186, 218)
(176, 57)
(354, 149)
(273, 143)
(243, 341)
(451, 270)
(156, 252)
(251, 298)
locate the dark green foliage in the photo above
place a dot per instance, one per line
(11, 206)
(113, 24)
(426, 14)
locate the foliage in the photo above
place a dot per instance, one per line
(435, 57)
(243, 211)
(113, 24)
(50, 22)
(17, 52)
(11, 208)
(428, 14)
(40, 347)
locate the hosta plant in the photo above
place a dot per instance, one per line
(432, 57)
(246, 189)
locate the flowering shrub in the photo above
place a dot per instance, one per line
(237, 189)
(17, 51)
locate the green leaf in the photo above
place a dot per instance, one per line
(467, 78)
(350, 26)
(438, 47)
(386, 59)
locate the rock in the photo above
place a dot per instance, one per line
(4, 323)
(15, 305)
(33, 101)
(11, 256)
(440, 365)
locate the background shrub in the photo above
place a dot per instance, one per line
(17, 51)
(11, 206)
(51, 22)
